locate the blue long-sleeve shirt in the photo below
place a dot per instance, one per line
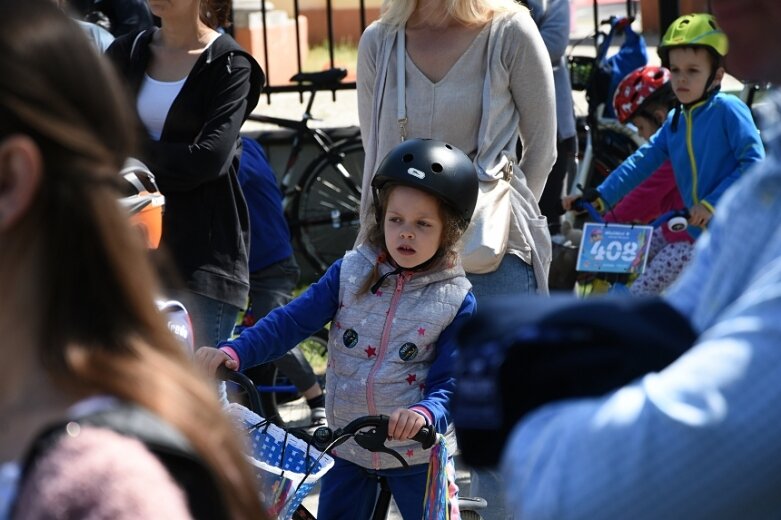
(700, 439)
(716, 142)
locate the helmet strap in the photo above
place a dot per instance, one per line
(398, 269)
(377, 208)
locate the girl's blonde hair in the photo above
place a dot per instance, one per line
(468, 12)
(452, 230)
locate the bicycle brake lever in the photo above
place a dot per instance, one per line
(374, 441)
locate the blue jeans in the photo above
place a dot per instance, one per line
(514, 276)
(272, 287)
(213, 320)
(350, 491)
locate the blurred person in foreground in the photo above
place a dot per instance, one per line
(700, 438)
(101, 413)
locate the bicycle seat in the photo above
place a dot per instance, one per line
(321, 79)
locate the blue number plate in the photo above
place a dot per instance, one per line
(614, 248)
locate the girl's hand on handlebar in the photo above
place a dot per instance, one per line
(209, 360)
(404, 424)
(699, 215)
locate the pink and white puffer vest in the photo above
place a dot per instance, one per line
(381, 346)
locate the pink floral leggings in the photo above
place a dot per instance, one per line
(665, 262)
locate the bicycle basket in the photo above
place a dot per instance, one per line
(286, 467)
(580, 70)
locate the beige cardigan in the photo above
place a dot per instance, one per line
(514, 97)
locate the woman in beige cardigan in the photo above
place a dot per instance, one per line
(475, 74)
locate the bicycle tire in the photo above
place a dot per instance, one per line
(286, 409)
(325, 214)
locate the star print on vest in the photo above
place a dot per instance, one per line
(410, 453)
(411, 378)
(421, 331)
(350, 338)
(408, 351)
(370, 351)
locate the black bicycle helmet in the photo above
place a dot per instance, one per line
(436, 167)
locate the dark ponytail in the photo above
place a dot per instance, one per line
(216, 13)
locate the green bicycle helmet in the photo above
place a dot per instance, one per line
(694, 30)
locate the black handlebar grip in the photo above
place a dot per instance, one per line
(427, 436)
(226, 374)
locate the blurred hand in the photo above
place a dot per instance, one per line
(568, 201)
(699, 215)
(209, 360)
(404, 424)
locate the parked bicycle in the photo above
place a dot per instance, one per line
(322, 197)
(603, 141)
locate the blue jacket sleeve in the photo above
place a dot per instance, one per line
(744, 141)
(440, 382)
(285, 327)
(635, 168)
(554, 24)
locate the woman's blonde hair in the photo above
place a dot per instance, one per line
(103, 334)
(447, 254)
(468, 12)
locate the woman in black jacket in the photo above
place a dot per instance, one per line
(193, 88)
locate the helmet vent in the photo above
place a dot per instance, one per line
(448, 146)
(408, 157)
(436, 168)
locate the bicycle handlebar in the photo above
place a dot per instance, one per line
(667, 217)
(370, 431)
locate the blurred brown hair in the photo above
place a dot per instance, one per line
(103, 333)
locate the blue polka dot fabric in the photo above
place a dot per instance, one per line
(287, 468)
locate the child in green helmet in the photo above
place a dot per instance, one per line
(710, 138)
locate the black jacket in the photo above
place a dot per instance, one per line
(205, 224)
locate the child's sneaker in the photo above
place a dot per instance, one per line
(317, 418)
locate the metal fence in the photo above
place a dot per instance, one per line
(336, 29)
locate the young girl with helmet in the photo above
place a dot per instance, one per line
(394, 303)
(710, 139)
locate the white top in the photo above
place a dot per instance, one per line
(154, 101)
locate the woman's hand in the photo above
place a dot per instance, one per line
(699, 215)
(403, 424)
(209, 360)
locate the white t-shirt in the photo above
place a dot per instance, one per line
(154, 101)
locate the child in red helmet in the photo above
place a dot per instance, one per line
(643, 98)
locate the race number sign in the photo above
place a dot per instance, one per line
(614, 248)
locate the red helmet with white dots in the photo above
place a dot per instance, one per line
(637, 88)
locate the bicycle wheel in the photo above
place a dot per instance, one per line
(326, 209)
(289, 408)
(610, 150)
